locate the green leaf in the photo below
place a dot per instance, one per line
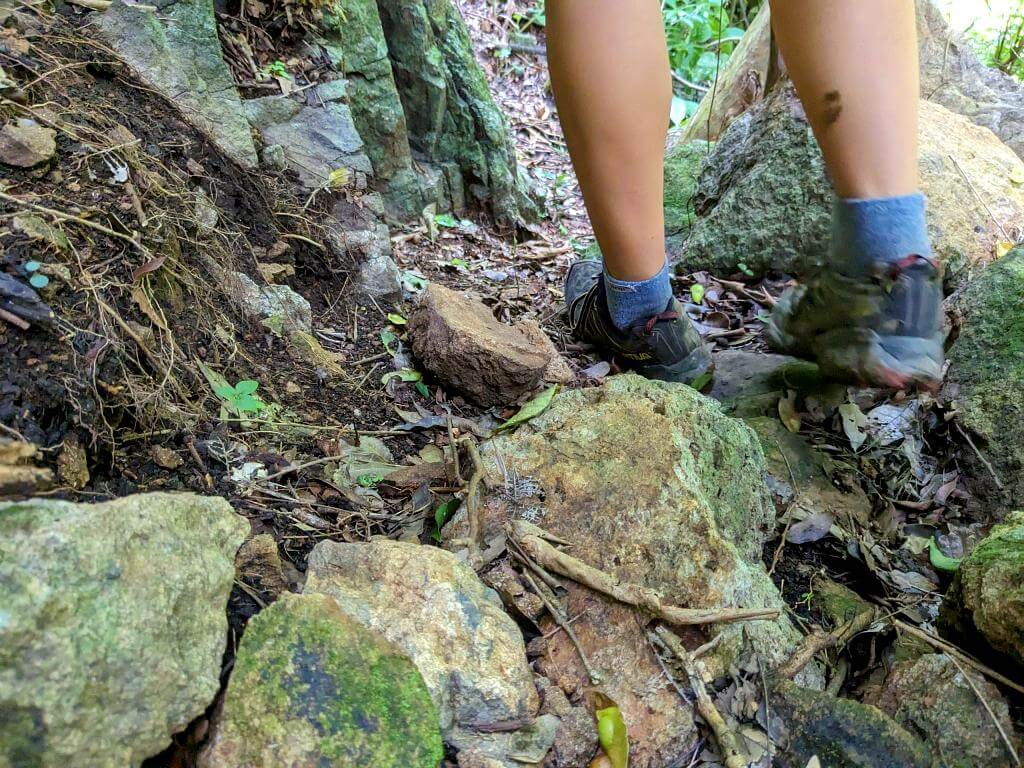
(532, 409)
(697, 293)
(396, 319)
(39, 281)
(941, 561)
(406, 374)
(457, 262)
(248, 403)
(246, 386)
(442, 515)
(611, 734)
(387, 338)
(446, 220)
(224, 391)
(369, 479)
(701, 381)
(422, 389)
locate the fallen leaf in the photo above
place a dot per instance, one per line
(697, 292)
(37, 229)
(396, 319)
(533, 408)
(598, 370)
(814, 528)
(150, 266)
(140, 297)
(854, 422)
(1003, 247)
(940, 560)
(787, 411)
(611, 735)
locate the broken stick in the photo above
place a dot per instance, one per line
(726, 738)
(817, 641)
(632, 594)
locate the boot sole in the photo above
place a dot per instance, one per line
(689, 369)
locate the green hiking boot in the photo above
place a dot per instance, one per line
(665, 347)
(882, 327)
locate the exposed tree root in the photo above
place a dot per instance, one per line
(819, 641)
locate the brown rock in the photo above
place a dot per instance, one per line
(518, 600)
(165, 457)
(26, 144)
(458, 340)
(558, 370)
(73, 463)
(576, 737)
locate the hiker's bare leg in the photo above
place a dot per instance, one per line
(872, 311)
(854, 65)
(610, 75)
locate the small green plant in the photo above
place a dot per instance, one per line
(277, 69)
(241, 398)
(442, 515)
(1002, 44)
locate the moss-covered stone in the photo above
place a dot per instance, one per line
(112, 624)
(841, 733)
(987, 594)
(652, 483)
(933, 697)
(836, 602)
(683, 161)
(311, 688)
(986, 377)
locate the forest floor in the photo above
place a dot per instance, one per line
(85, 393)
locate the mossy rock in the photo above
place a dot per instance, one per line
(987, 594)
(841, 733)
(986, 378)
(683, 161)
(312, 688)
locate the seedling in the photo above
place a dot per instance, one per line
(241, 398)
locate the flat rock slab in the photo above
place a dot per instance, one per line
(469, 651)
(459, 340)
(312, 688)
(114, 624)
(652, 484)
(177, 52)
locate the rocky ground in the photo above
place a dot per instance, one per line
(304, 468)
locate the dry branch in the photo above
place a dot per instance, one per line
(728, 743)
(817, 641)
(632, 594)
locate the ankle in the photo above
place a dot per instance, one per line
(631, 302)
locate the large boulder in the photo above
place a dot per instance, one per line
(763, 198)
(932, 696)
(113, 624)
(841, 733)
(651, 483)
(176, 51)
(683, 163)
(986, 379)
(437, 611)
(987, 594)
(312, 688)
(953, 75)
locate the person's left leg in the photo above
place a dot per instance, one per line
(610, 75)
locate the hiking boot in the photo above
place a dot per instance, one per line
(665, 346)
(882, 327)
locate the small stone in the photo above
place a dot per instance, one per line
(206, 213)
(274, 158)
(933, 697)
(165, 457)
(313, 688)
(73, 463)
(278, 304)
(458, 340)
(26, 144)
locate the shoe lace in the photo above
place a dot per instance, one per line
(651, 322)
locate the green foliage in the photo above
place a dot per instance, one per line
(277, 69)
(241, 398)
(442, 515)
(1003, 46)
(701, 36)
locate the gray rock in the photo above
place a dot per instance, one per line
(933, 697)
(276, 303)
(312, 688)
(841, 733)
(763, 199)
(177, 52)
(274, 158)
(361, 244)
(316, 139)
(26, 144)
(651, 483)
(469, 651)
(953, 75)
(113, 624)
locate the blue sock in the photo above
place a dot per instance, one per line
(630, 303)
(887, 229)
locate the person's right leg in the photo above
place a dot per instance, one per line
(873, 310)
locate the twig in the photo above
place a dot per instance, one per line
(952, 650)
(981, 458)
(980, 199)
(728, 743)
(562, 622)
(303, 239)
(14, 320)
(474, 512)
(102, 5)
(820, 641)
(77, 219)
(454, 448)
(789, 510)
(632, 594)
(305, 465)
(991, 714)
(694, 86)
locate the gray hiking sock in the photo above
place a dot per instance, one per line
(630, 303)
(866, 232)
